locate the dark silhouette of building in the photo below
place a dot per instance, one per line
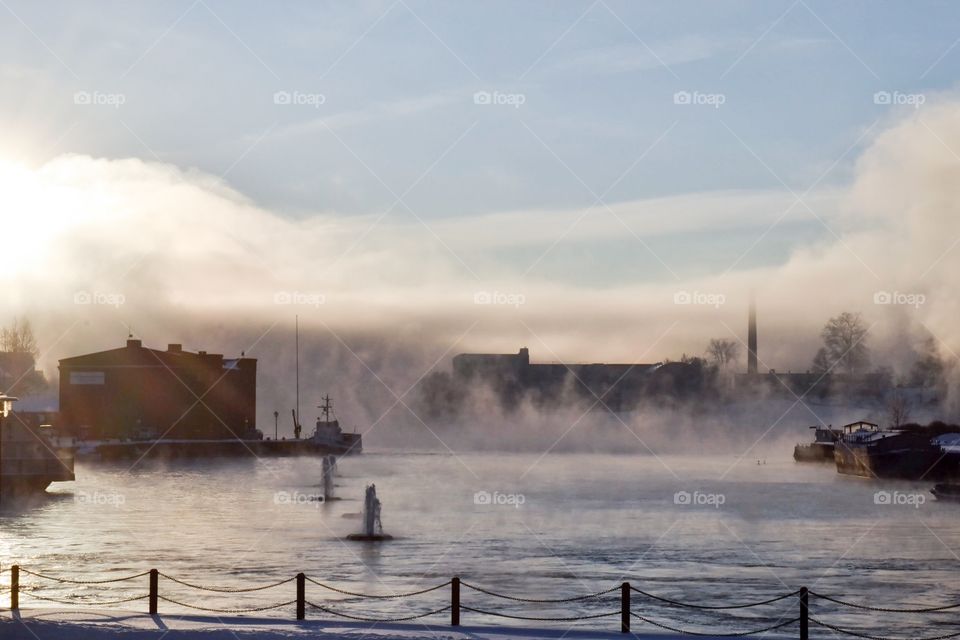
(617, 386)
(136, 392)
(752, 338)
(18, 374)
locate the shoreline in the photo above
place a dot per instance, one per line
(72, 624)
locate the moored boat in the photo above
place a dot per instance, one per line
(821, 449)
(328, 433)
(30, 459)
(906, 453)
(946, 492)
(328, 438)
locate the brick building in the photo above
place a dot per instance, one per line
(138, 392)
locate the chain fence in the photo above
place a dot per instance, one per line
(630, 609)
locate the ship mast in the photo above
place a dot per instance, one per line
(326, 408)
(297, 340)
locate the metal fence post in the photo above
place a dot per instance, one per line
(625, 607)
(804, 613)
(154, 581)
(301, 596)
(455, 602)
(15, 587)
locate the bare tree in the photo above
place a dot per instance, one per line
(19, 338)
(723, 352)
(844, 345)
(18, 356)
(899, 409)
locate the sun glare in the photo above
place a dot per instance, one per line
(35, 211)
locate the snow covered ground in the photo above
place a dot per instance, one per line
(56, 624)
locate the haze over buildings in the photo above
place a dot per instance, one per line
(602, 217)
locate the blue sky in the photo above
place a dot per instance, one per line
(598, 119)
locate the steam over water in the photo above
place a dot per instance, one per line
(558, 526)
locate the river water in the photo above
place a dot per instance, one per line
(704, 529)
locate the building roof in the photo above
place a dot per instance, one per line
(136, 355)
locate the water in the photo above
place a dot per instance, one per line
(545, 527)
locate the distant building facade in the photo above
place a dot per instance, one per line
(619, 386)
(138, 392)
(875, 386)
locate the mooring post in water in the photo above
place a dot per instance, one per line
(15, 587)
(455, 602)
(804, 613)
(625, 607)
(301, 596)
(154, 581)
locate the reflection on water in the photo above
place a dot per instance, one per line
(694, 528)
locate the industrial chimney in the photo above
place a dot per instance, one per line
(752, 337)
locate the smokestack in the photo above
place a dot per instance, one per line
(752, 337)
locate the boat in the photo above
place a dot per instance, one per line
(821, 449)
(327, 432)
(30, 459)
(328, 438)
(946, 492)
(905, 453)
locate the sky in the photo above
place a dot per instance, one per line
(388, 164)
(396, 81)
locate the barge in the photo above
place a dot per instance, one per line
(907, 453)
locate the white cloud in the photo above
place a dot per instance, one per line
(637, 56)
(182, 245)
(376, 112)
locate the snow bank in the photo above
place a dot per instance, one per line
(31, 624)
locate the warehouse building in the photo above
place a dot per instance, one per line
(135, 392)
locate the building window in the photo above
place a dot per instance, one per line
(86, 377)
